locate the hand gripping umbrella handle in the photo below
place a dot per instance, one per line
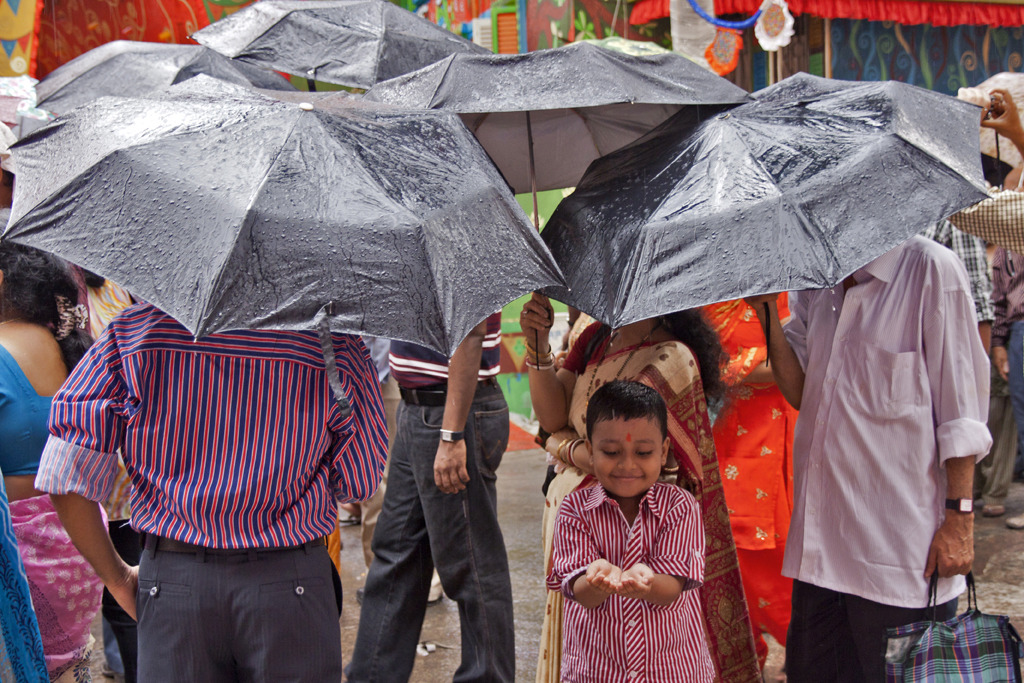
(323, 330)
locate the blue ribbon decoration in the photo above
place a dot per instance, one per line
(722, 23)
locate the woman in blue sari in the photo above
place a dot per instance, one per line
(21, 648)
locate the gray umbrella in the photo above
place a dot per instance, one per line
(127, 68)
(577, 102)
(348, 42)
(230, 210)
(795, 190)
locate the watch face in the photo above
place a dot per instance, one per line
(966, 505)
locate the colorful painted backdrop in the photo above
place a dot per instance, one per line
(17, 36)
(68, 28)
(938, 58)
(550, 23)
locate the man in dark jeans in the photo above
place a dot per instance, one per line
(441, 508)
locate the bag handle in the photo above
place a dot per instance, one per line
(933, 593)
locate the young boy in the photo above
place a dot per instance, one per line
(628, 553)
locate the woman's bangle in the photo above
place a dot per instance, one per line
(547, 364)
(560, 451)
(570, 451)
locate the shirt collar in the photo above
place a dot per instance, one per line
(598, 496)
(882, 268)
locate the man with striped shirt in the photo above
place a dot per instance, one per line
(891, 380)
(440, 508)
(237, 453)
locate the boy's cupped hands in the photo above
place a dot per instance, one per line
(634, 582)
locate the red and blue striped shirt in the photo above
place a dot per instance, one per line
(230, 441)
(627, 640)
(414, 366)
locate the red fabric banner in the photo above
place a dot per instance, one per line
(900, 11)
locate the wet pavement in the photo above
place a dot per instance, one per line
(998, 568)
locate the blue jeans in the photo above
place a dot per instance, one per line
(419, 526)
(1015, 355)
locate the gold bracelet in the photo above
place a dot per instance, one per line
(559, 455)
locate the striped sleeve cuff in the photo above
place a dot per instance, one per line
(678, 567)
(963, 438)
(69, 468)
(568, 581)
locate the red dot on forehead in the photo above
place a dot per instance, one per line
(629, 437)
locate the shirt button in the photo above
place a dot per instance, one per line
(299, 590)
(153, 591)
(632, 623)
(634, 674)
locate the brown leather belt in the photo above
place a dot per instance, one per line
(169, 545)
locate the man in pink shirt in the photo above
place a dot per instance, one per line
(628, 553)
(892, 382)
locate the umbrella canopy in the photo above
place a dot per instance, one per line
(231, 210)
(127, 68)
(584, 101)
(795, 190)
(348, 42)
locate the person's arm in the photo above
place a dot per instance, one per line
(958, 380)
(593, 587)
(450, 473)
(640, 582)
(1000, 324)
(550, 390)
(785, 366)
(82, 519)
(952, 548)
(1001, 116)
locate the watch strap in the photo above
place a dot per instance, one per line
(964, 505)
(451, 437)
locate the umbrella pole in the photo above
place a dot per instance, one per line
(533, 173)
(311, 84)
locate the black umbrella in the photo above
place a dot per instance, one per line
(126, 68)
(576, 102)
(230, 210)
(795, 190)
(348, 42)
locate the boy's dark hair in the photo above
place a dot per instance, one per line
(624, 400)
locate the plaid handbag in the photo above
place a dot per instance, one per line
(970, 648)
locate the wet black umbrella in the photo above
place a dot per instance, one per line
(230, 210)
(576, 102)
(348, 42)
(795, 190)
(126, 68)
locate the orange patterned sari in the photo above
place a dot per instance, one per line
(754, 439)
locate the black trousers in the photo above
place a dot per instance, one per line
(128, 546)
(840, 638)
(245, 617)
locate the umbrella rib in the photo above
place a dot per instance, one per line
(215, 284)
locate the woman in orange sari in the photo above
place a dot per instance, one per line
(754, 439)
(678, 356)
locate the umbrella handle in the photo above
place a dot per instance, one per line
(323, 331)
(767, 334)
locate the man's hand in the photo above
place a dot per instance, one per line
(636, 582)
(125, 590)
(450, 472)
(604, 576)
(952, 549)
(1001, 361)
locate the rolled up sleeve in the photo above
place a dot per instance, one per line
(574, 549)
(958, 373)
(86, 426)
(359, 446)
(679, 548)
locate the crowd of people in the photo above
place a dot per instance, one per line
(802, 466)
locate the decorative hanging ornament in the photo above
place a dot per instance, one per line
(723, 54)
(774, 28)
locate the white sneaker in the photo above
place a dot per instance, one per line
(1016, 522)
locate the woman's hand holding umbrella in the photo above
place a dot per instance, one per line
(536, 319)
